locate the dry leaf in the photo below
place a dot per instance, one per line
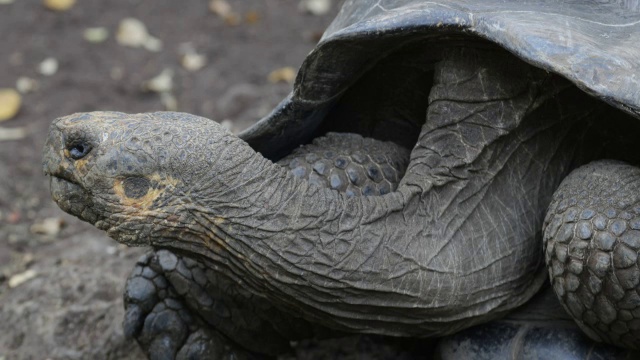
(133, 33)
(193, 61)
(59, 5)
(10, 101)
(252, 17)
(316, 7)
(169, 101)
(220, 8)
(286, 74)
(224, 11)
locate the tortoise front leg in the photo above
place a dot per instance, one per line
(592, 243)
(163, 326)
(177, 306)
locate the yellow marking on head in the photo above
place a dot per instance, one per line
(80, 164)
(159, 186)
(64, 165)
(167, 181)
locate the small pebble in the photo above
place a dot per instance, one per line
(48, 226)
(224, 11)
(10, 101)
(286, 74)
(220, 8)
(193, 61)
(59, 5)
(96, 35)
(26, 85)
(315, 7)
(163, 82)
(21, 278)
(48, 66)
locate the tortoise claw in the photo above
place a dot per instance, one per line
(162, 348)
(141, 295)
(164, 330)
(205, 344)
(133, 321)
(153, 314)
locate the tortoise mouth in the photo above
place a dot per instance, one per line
(63, 189)
(72, 198)
(63, 178)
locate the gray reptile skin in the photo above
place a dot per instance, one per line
(314, 255)
(364, 167)
(458, 242)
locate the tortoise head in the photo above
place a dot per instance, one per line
(129, 174)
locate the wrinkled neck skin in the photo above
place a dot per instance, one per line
(457, 244)
(302, 245)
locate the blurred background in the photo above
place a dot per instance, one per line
(232, 61)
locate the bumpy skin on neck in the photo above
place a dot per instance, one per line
(455, 245)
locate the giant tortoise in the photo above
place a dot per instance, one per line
(432, 157)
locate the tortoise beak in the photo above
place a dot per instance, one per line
(65, 188)
(53, 151)
(55, 163)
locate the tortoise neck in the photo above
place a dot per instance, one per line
(281, 236)
(243, 187)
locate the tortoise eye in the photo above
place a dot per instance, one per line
(78, 150)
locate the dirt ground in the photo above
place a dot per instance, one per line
(60, 289)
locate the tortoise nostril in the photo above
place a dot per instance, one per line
(78, 150)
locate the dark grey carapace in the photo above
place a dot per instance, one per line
(431, 159)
